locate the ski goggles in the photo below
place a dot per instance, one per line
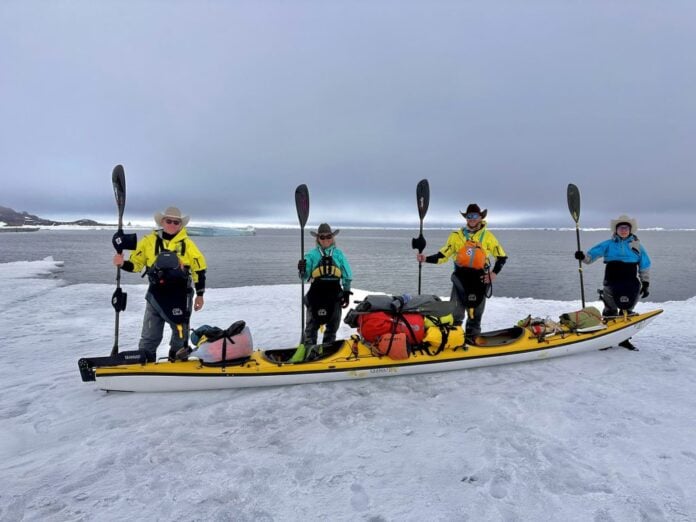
(172, 221)
(472, 215)
(325, 236)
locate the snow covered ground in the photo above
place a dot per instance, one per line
(603, 436)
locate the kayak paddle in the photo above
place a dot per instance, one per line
(118, 300)
(423, 200)
(302, 206)
(574, 207)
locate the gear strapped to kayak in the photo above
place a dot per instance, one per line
(215, 346)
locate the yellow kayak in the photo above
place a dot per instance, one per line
(353, 359)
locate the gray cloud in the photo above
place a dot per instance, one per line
(223, 108)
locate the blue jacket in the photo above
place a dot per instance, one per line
(627, 250)
(313, 258)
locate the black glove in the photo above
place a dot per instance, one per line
(579, 255)
(302, 266)
(345, 298)
(644, 289)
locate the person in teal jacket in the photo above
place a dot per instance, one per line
(330, 274)
(627, 268)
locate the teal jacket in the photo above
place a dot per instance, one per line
(313, 258)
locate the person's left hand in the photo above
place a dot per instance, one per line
(489, 277)
(644, 289)
(198, 302)
(345, 298)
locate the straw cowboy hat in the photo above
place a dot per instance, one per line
(473, 207)
(623, 218)
(325, 228)
(172, 213)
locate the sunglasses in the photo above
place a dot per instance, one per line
(472, 215)
(172, 221)
(623, 227)
(325, 236)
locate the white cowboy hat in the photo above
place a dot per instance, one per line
(623, 218)
(173, 213)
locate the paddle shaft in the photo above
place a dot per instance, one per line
(420, 264)
(582, 284)
(302, 307)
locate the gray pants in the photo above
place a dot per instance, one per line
(612, 307)
(312, 327)
(153, 331)
(473, 324)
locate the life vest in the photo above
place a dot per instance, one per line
(326, 270)
(167, 270)
(472, 255)
(171, 289)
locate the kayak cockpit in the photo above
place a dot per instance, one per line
(313, 353)
(498, 337)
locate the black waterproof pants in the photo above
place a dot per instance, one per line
(314, 322)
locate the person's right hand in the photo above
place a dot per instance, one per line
(118, 260)
(302, 266)
(579, 255)
(420, 258)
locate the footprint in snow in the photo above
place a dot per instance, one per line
(359, 500)
(499, 487)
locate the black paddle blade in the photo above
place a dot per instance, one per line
(574, 202)
(423, 197)
(302, 204)
(118, 180)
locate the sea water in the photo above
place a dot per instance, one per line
(540, 264)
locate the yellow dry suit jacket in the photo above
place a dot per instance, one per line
(458, 238)
(145, 253)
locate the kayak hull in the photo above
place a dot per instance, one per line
(351, 359)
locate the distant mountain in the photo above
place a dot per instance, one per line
(16, 219)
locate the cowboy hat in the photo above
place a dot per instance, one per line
(474, 208)
(172, 213)
(623, 218)
(325, 228)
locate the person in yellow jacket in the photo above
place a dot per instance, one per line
(172, 262)
(471, 248)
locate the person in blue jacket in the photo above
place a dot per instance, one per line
(330, 274)
(627, 268)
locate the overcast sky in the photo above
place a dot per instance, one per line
(224, 107)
